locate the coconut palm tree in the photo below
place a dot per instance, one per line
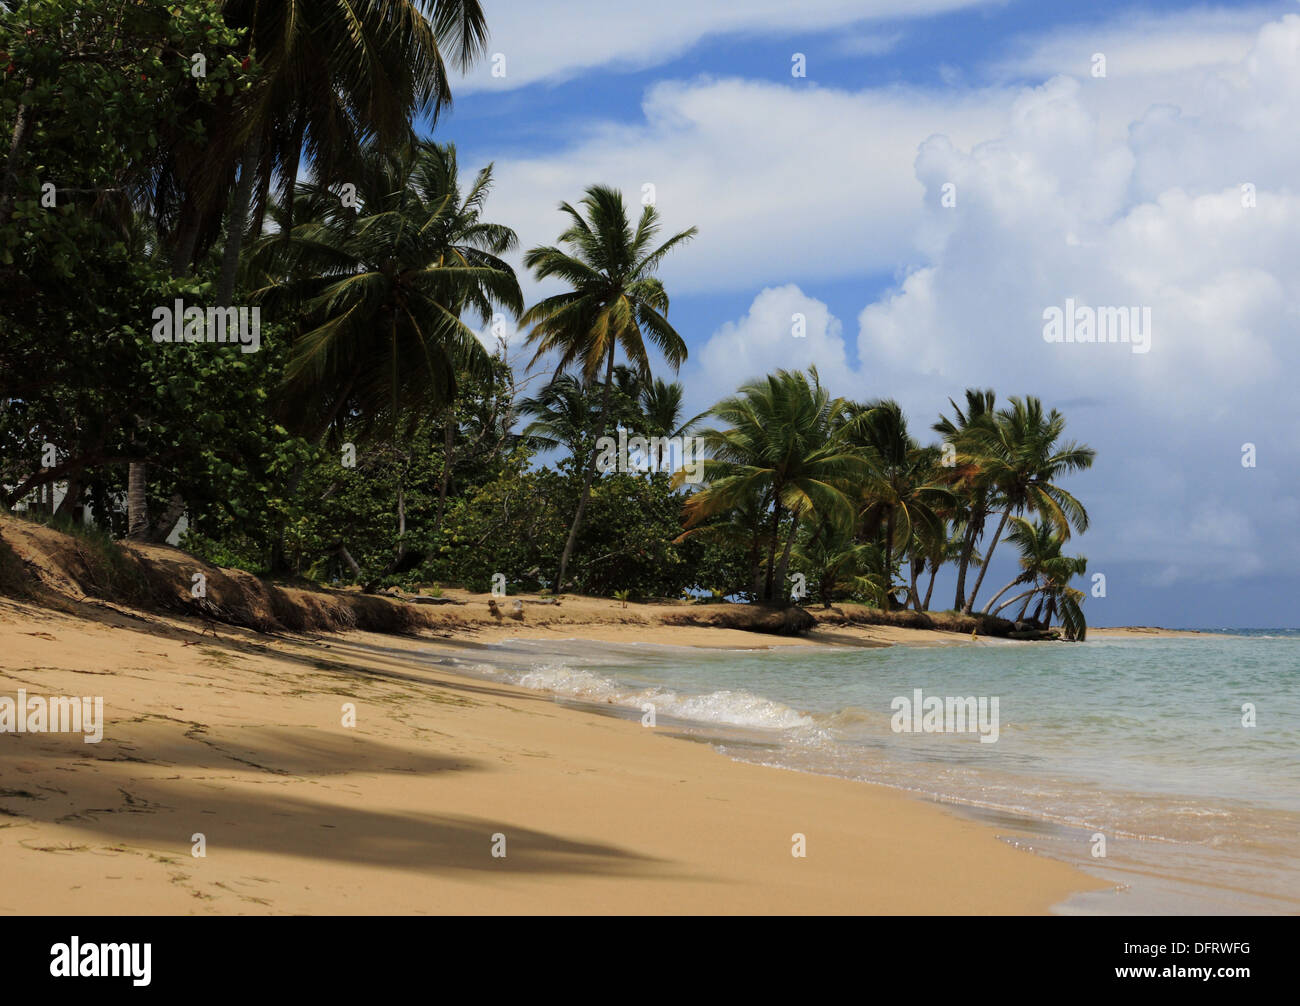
(839, 564)
(382, 292)
(742, 527)
(565, 416)
(1020, 459)
(964, 475)
(332, 73)
(615, 302)
(784, 440)
(661, 410)
(899, 499)
(1042, 566)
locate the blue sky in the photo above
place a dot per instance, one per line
(822, 196)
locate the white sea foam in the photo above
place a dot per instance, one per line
(727, 706)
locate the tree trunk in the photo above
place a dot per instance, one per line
(170, 517)
(187, 237)
(1027, 595)
(589, 477)
(401, 526)
(783, 572)
(137, 502)
(21, 126)
(239, 204)
(889, 561)
(994, 599)
(342, 552)
(963, 563)
(71, 498)
(970, 603)
(934, 570)
(448, 444)
(771, 551)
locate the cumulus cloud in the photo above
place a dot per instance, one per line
(1059, 205)
(785, 182)
(1066, 198)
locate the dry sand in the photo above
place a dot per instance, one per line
(240, 739)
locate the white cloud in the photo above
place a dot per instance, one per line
(563, 38)
(784, 182)
(764, 341)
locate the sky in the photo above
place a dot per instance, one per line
(943, 174)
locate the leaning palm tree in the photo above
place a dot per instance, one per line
(615, 301)
(1037, 543)
(381, 293)
(783, 440)
(1020, 460)
(1048, 574)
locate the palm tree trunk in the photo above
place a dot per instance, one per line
(970, 603)
(448, 444)
(889, 561)
(137, 502)
(1027, 595)
(785, 556)
(934, 571)
(963, 563)
(242, 199)
(916, 573)
(771, 551)
(590, 476)
(994, 599)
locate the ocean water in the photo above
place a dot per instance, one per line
(1139, 744)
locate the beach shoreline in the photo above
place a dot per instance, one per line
(239, 738)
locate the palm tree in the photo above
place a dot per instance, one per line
(742, 527)
(382, 292)
(785, 442)
(615, 302)
(900, 496)
(565, 416)
(332, 72)
(1038, 544)
(937, 551)
(964, 475)
(1020, 460)
(661, 409)
(839, 564)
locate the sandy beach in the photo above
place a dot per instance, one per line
(240, 739)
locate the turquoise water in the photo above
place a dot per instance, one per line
(1139, 741)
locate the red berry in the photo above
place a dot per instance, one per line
(143, 77)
